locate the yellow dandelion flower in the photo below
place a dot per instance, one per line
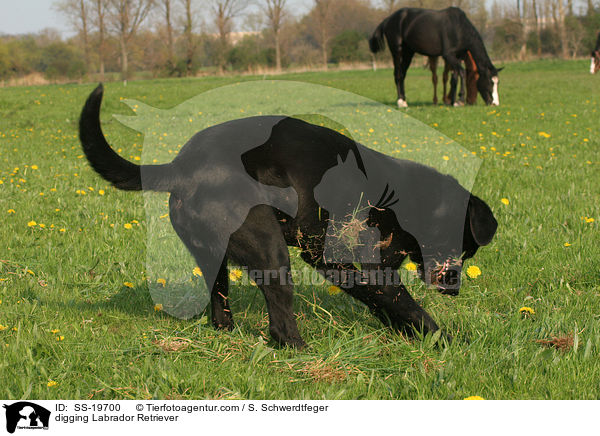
(445, 158)
(474, 397)
(34, 167)
(62, 230)
(60, 338)
(55, 331)
(235, 274)
(43, 226)
(410, 266)
(504, 201)
(197, 272)
(128, 284)
(566, 244)
(3, 327)
(101, 192)
(31, 223)
(589, 220)
(163, 282)
(334, 290)
(473, 272)
(10, 211)
(127, 226)
(527, 310)
(158, 307)
(52, 384)
(164, 216)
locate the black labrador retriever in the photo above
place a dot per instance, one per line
(247, 189)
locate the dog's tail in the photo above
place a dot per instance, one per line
(112, 167)
(376, 42)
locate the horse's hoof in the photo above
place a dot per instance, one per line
(402, 103)
(458, 104)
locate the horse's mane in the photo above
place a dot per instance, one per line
(476, 45)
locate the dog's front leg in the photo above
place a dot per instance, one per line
(387, 299)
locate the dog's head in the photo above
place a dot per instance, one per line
(442, 267)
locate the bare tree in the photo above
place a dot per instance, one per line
(126, 17)
(98, 20)
(166, 8)
(390, 6)
(188, 35)
(323, 17)
(275, 12)
(224, 11)
(77, 13)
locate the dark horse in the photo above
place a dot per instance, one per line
(472, 76)
(595, 65)
(447, 33)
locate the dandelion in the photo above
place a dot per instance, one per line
(34, 167)
(474, 397)
(10, 211)
(158, 307)
(445, 158)
(334, 290)
(588, 220)
(197, 272)
(473, 272)
(101, 192)
(127, 226)
(410, 266)
(504, 201)
(525, 310)
(31, 223)
(54, 331)
(566, 244)
(235, 274)
(128, 284)
(544, 134)
(52, 384)
(3, 327)
(60, 338)
(163, 282)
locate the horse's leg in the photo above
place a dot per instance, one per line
(457, 71)
(446, 97)
(402, 61)
(433, 62)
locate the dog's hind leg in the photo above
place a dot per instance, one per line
(222, 317)
(259, 244)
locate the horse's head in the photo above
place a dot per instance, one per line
(595, 65)
(487, 84)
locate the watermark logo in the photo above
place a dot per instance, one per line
(25, 415)
(237, 145)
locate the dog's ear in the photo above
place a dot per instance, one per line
(481, 220)
(339, 160)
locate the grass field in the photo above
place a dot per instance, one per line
(77, 320)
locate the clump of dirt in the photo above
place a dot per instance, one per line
(563, 343)
(171, 345)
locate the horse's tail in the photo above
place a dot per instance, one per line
(112, 167)
(376, 43)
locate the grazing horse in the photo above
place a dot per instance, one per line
(472, 76)
(595, 65)
(447, 33)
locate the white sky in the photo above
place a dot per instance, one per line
(31, 16)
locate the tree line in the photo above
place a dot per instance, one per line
(163, 38)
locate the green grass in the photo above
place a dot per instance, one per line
(73, 280)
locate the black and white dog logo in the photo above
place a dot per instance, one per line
(26, 415)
